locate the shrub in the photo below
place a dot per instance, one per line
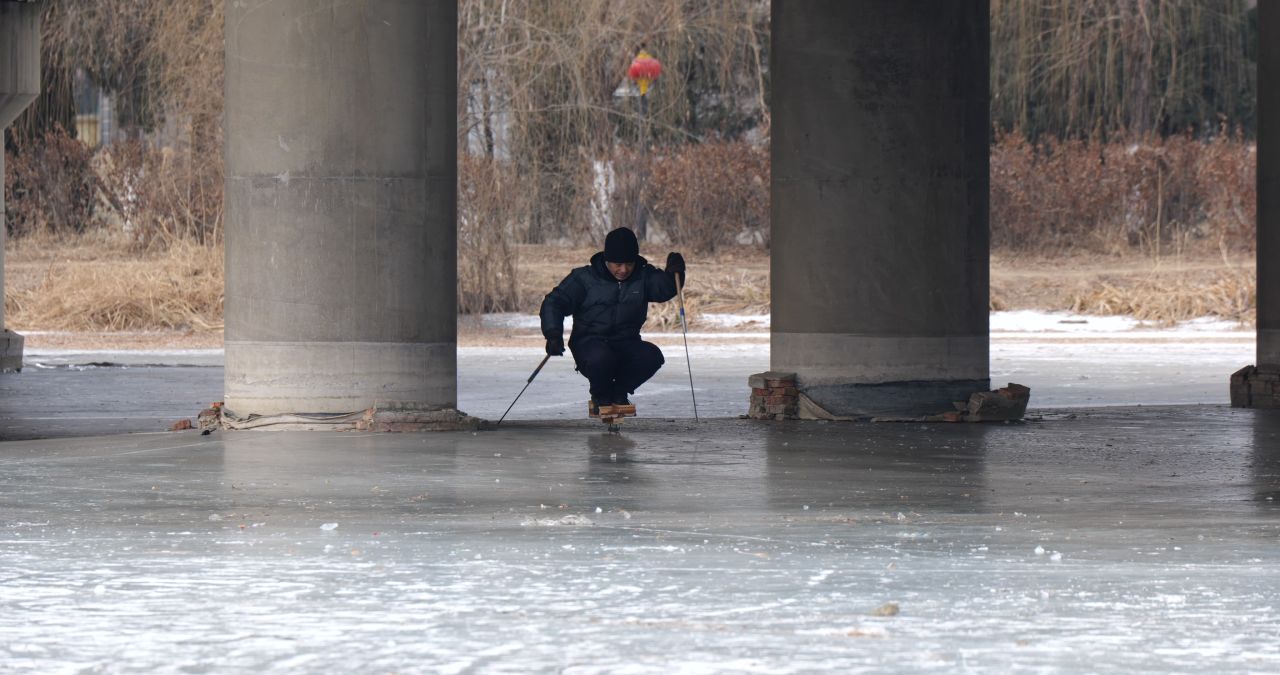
(50, 186)
(489, 206)
(1153, 195)
(162, 195)
(706, 195)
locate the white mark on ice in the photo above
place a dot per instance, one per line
(572, 520)
(1039, 550)
(820, 577)
(328, 527)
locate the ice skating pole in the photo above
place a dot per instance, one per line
(684, 331)
(526, 386)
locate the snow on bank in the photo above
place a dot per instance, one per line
(761, 321)
(1009, 329)
(1004, 324)
(1038, 322)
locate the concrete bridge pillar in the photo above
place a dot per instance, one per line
(1259, 386)
(340, 205)
(19, 86)
(880, 202)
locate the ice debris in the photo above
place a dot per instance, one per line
(327, 527)
(887, 609)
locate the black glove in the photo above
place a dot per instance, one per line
(675, 266)
(555, 346)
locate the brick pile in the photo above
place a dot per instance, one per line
(1253, 387)
(773, 396)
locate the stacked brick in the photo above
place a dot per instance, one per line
(773, 396)
(1253, 387)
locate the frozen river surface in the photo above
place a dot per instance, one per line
(1114, 540)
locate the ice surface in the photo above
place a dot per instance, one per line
(701, 558)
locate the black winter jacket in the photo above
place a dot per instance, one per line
(601, 305)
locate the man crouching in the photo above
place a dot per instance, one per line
(609, 301)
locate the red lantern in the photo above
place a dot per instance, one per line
(644, 70)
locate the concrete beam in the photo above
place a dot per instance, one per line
(880, 202)
(19, 86)
(340, 205)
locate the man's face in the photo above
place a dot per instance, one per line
(620, 271)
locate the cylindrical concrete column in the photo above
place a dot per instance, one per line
(340, 205)
(19, 86)
(880, 202)
(1268, 187)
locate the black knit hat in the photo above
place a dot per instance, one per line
(620, 246)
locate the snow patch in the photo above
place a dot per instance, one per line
(1035, 322)
(734, 320)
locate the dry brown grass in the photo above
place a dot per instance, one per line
(1168, 299)
(1164, 292)
(179, 288)
(94, 282)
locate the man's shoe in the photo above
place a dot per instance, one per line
(621, 406)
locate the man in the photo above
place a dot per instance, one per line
(609, 300)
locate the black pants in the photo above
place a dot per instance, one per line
(615, 369)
